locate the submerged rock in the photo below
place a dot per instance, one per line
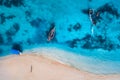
(16, 27)
(98, 42)
(77, 26)
(17, 46)
(10, 3)
(7, 3)
(85, 11)
(10, 17)
(29, 41)
(13, 30)
(9, 40)
(42, 28)
(28, 13)
(1, 39)
(109, 8)
(89, 0)
(2, 18)
(70, 28)
(17, 3)
(1, 51)
(1, 2)
(36, 22)
(118, 37)
(73, 43)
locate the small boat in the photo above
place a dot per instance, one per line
(51, 34)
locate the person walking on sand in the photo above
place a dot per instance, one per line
(31, 68)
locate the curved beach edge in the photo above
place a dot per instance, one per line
(36, 67)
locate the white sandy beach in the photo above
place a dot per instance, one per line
(19, 68)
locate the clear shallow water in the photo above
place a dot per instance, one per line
(25, 24)
(78, 61)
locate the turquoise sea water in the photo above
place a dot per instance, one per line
(25, 24)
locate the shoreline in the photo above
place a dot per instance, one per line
(80, 62)
(52, 59)
(14, 67)
(77, 61)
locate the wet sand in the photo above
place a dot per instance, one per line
(37, 67)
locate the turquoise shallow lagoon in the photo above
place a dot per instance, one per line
(25, 25)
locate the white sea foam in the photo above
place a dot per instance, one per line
(78, 61)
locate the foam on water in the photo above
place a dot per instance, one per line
(78, 61)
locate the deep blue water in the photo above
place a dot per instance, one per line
(25, 24)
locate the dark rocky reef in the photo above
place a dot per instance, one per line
(118, 37)
(13, 30)
(73, 43)
(1, 2)
(89, 0)
(42, 32)
(95, 15)
(109, 8)
(16, 27)
(36, 22)
(28, 15)
(92, 43)
(52, 25)
(3, 18)
(10, 3)
(17, 3)
(1, 51)
(26, 31)
(10, 17)
(98, 42)
(85, 11)
(29, 41)
(77, 26)
(7, 3)
(42, 28)
(70, 28)
(9, 39)
(17, 46)
(1, 39)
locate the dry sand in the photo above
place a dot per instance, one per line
(34, 67)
